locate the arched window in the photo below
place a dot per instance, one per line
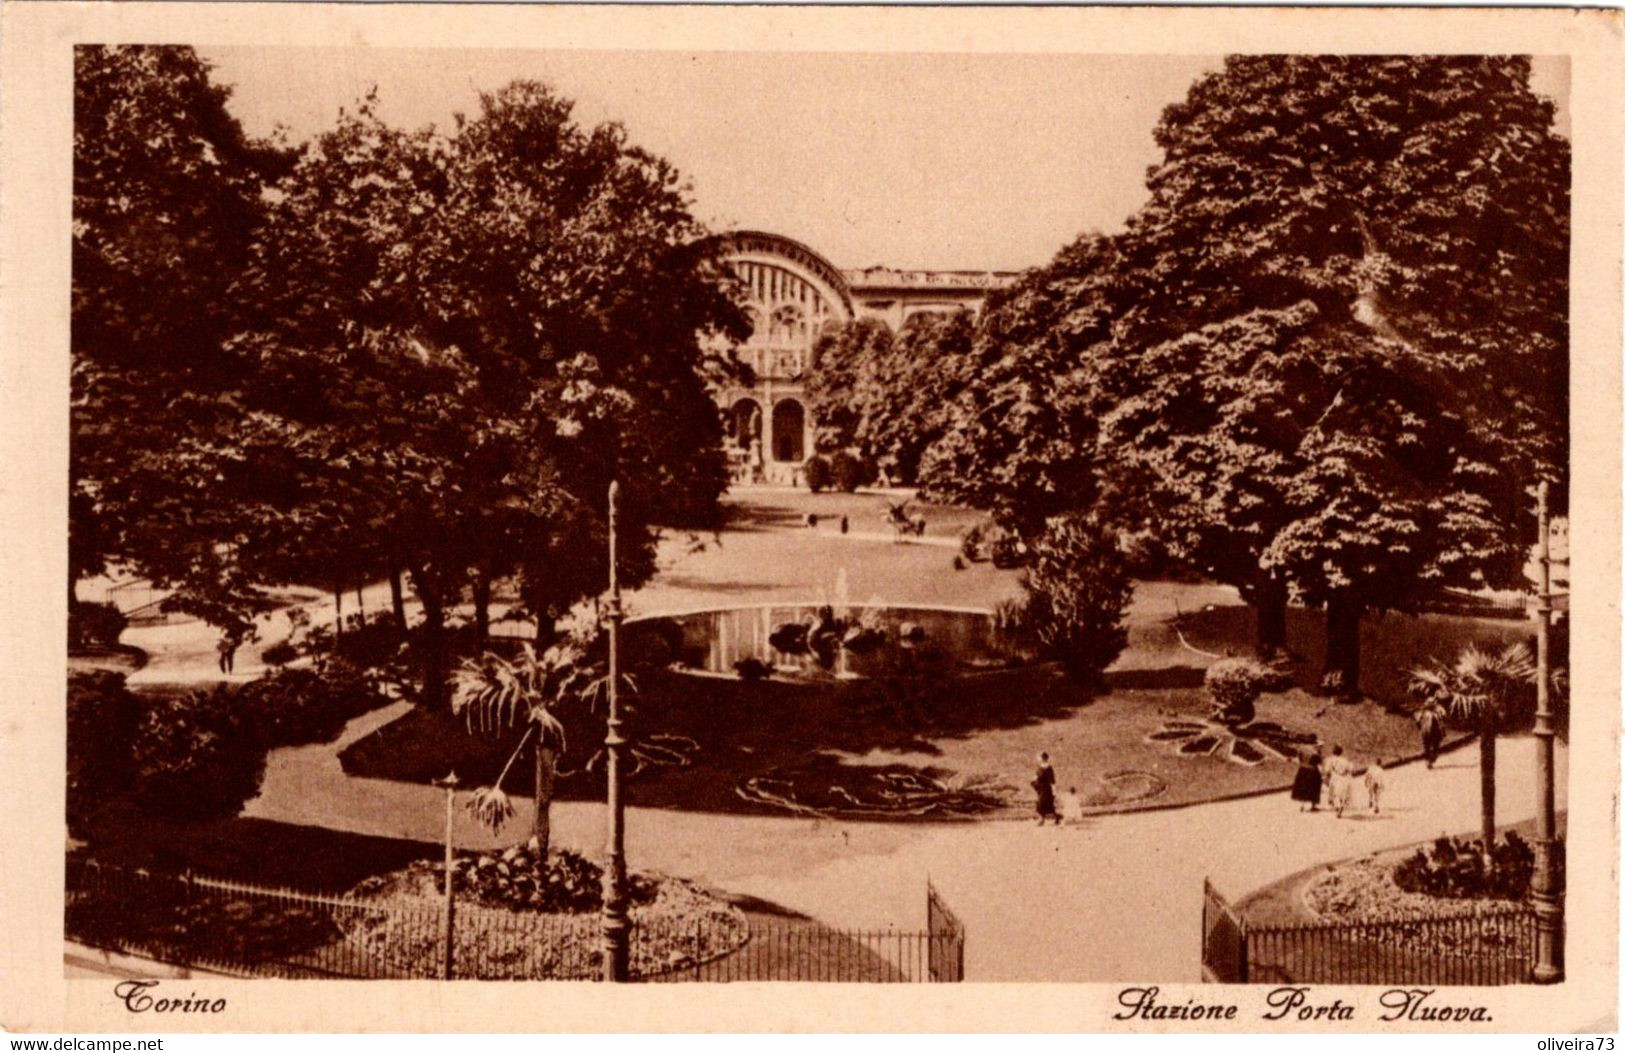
(789, 325)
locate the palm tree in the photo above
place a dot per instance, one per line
(491, 693)
(1487, 690)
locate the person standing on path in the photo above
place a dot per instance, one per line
(1375, 780)
(1430, 721)
(229, 642)
(1306, 784)
(1044, 785)
(1340, 779)
(1071, 806)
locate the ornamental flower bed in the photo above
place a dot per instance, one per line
(521, 919)
(1363, 895)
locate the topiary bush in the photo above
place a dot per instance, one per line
(1235, 684)
(816, 471)
(1077, 593)
(196, 755)
(102, 720)
(95, 625)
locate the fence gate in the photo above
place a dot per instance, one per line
(945, 959)
(1224, 940)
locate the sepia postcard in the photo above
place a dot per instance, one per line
(803, 519)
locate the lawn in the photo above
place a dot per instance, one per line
(843, 749)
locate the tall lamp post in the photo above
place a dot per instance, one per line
(615, 924)
(1544, 888)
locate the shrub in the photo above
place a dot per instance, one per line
(102, 719)
(816, 471)
(1009, 551)
(295, 706)
(1236, 683)
(848, 471)
(280, 653)
(1233, 681)
(95, 625)
(516, 878)
(1454, 869)
(371, 642)
(1077, 592)
(196, 755)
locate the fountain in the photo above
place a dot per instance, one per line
(828, 639)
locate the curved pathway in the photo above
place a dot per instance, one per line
(1114, 898)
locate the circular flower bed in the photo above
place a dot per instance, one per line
(519, 918)
(1364, 891)
(1124, 787)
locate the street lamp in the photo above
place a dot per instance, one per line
(615, 924)
(448, 959)
(1544, 888)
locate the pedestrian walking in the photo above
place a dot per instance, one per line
(1430, 722)
(1339, 780)
(1306, 784)
(229, 642)
(845, 525)
(1044, 786)
(1375, 779)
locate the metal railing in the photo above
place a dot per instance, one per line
(1224, 939)
(1481, 945)
(248, 930)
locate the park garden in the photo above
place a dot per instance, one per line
(1252, 477)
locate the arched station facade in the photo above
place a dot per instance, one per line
(794, 295)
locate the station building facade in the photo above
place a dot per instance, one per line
(794, 295)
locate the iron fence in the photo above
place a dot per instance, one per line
(248, 930)
(1224, 939)
(1480, 945)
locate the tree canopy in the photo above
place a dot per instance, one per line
(167, 194)
(440, 349)
(1341, 325)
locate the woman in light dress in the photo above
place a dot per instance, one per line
(1339, 780)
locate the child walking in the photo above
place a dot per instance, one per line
(1374, 781)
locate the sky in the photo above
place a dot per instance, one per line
(951, 161)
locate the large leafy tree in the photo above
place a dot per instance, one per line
(1341, 326)
(886, 395)
(373, 447)
(464, 339)
(907, 405)
(845, 362)
(1019, 435)
(167, 193)
(569, 269)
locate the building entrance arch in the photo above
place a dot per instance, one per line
(744, 423)
(789, 431)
